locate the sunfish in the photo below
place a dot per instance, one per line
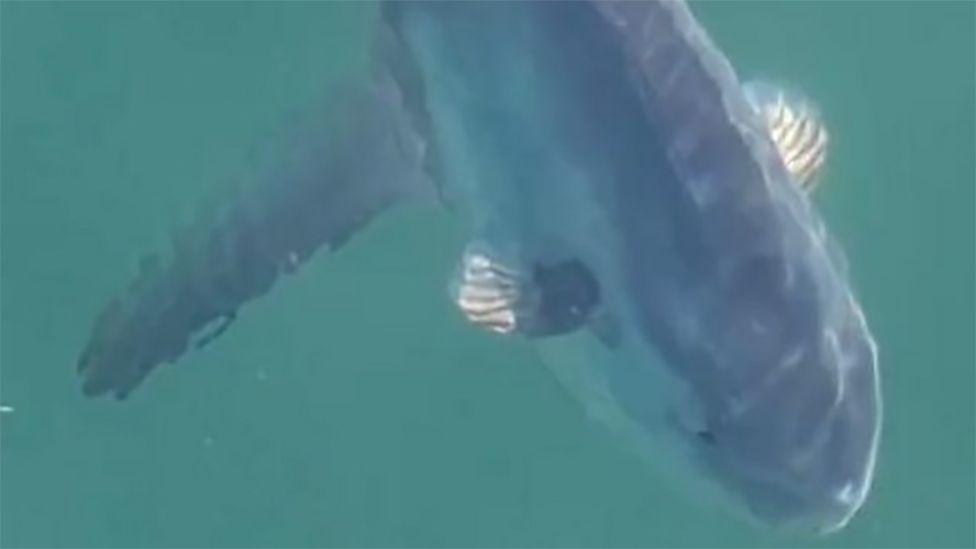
(633, 208)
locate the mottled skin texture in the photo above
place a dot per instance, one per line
(613, 138)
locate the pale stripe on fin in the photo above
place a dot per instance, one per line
(796, 129)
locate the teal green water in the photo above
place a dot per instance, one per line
(353, 407)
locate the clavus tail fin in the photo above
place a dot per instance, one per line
(320, 184)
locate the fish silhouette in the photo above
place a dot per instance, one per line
(634, 210)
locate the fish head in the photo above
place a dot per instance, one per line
(782, 407)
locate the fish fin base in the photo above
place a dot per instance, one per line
(533, 301)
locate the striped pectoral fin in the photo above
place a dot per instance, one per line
(795, 127)
(534, 301)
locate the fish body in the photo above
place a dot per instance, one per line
(724, 338)
(617, 134)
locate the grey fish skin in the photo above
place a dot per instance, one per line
(791, 370)
(616, 133)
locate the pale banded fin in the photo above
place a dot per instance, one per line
(796, 129)
(489, 294)
(536, 300)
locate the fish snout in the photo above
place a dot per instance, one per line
(817, 499)
(804, 457)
